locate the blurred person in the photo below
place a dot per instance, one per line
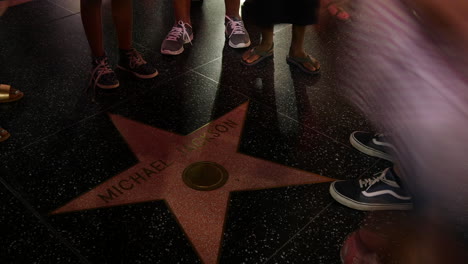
(182, 33)
(266, 14)
(131, 61)
(415, 87)
(411, 80)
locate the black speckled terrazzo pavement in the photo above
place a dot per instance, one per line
(63, 145)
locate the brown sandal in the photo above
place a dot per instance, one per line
(4, 135)
(302, 64)
(9, 94)
(262, 55)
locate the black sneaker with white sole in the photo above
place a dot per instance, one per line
(102, 75)
(375, 145)
(383, 192)
(131, 61)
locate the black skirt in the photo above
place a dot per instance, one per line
(268, 12)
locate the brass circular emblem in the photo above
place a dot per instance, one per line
(205, 176)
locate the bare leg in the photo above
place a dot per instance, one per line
(91, 18)
(182, 10)
(297, 49)
(232, 8)
(297, 42)
(267, 38)
(265, 45)
(123, 20)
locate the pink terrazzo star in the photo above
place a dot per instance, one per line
(163, 157)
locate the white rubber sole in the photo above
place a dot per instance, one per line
(170, 52)
(177, 52)
(240, 45)
(365, 206)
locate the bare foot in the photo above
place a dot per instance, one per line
(257, 53)
(338, 8)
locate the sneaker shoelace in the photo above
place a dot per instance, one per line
(381, 178)
(102, 68)
(400, 195)
(135, 59)
(236, 26)
(366, 183)
(178, 31)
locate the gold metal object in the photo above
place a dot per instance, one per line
(4, 92)
(205, 176)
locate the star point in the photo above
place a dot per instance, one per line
(163, 158)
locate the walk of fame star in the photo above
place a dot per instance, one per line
(200, 207)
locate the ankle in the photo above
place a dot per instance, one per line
(232, 16)
(266, 44)
(297, 53)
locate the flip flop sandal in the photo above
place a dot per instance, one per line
(4, 135)
(9, 94)
(262, 55)
(300, 63)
